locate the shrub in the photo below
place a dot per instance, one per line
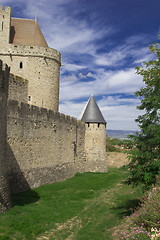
(144, 220)
(144, 164)
(130, 231)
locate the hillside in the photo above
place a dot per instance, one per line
(121, 134)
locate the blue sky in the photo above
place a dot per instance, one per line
(101, 42)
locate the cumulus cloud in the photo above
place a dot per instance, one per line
(104, 82)
(119, 116)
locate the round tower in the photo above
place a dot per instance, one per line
(29, 57)
(95, 137)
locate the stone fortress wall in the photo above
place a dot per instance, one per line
(39, 145)
(5, 202)
(18, 88)
(43, 146)
(40, 65)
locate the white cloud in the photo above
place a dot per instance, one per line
(69, 79)
(120, 117)
(90, 75)
(71, 67)
(112, 82)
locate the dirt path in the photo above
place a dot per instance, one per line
(116, 159)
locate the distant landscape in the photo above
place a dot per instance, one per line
(121, 134)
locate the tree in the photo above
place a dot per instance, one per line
(144, 166)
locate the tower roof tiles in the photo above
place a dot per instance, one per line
(92, 113)
(26, 32)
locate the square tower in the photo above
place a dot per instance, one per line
(5, 25)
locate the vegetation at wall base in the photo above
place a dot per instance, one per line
(144, 223)
(88, 206)
(144, 164)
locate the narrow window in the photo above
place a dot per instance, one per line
(88, 124)
(29, 98)
(21, 65)
(2, 25)
(98, 124)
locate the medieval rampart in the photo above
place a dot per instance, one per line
(41, 67)
(5, 202)
(43, 146)
(37, 146)
(18, 88)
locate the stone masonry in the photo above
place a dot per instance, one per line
(5, 202)
(38, 145)
(38, 64)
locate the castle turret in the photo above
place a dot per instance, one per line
(25, 50)
(5, 25)
(95, 137)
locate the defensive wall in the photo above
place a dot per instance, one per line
(18, 88)
(41, 67)
(43, 146)
(5, 202)
(37, 146)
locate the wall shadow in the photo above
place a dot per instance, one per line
(127, 208)
(21, 193)
(24, 198)
(12, 34)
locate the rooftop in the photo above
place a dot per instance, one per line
(26, 32)
(92, 113)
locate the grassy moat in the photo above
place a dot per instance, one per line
(87, 206)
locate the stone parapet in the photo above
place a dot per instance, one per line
(43, 146)
(23, 110)
(28, 51)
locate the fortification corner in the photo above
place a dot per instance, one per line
(5, 201)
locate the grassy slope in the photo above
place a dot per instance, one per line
(87, 206)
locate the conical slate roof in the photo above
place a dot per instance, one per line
(92, 113)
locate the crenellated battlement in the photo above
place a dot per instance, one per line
(24, 111)
(5, 11)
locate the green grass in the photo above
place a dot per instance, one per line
(87, 206)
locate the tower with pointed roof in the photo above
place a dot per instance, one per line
(24, 49)
(95, 137)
